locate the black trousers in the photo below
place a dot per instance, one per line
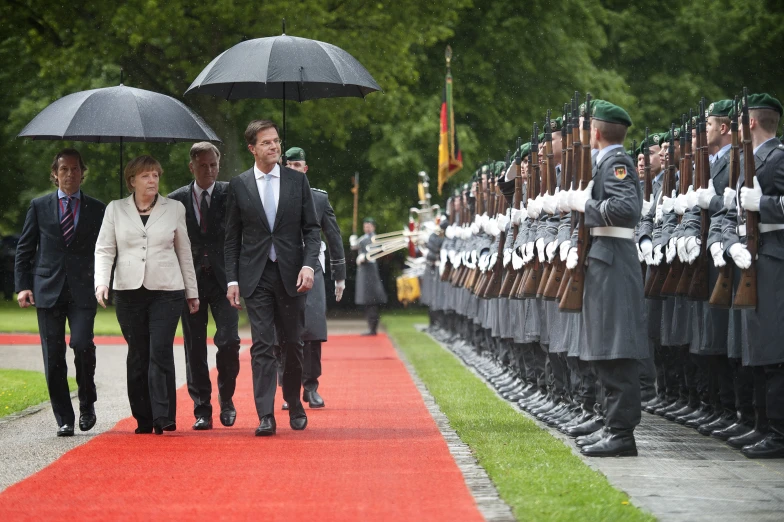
(148, 320)
(371, 314)
(51, 325)
(620, 380)
(270, 308)
(311, 364)
(194, 327)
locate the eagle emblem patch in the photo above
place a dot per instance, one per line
(620, 171)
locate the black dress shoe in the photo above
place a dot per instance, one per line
(161, 425)
(652, 405)
(700, 413)
(66, 430)
(305, 395)
(668, 407)
(315, 400)
(298, 421)
(739, 428)
(203, 423)
(284, 406)
(228, 414)
(364, 334)
(696, 420)
(723, 421)
(590, 426)
(686, 410)
(141, 430)
(87, 418)
(771, 447)
(612, 445)
(591, 438)
(748, 439)
(266, 427)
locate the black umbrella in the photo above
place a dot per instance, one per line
(116, 115)
(287, 68)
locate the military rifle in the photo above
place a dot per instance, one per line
(511, 274)
(692, 179)
(572, 300)
(698, 289)
(575, 170)
(493, 287)
(551, 184)
(559, 267)
(722, 291)
(647, 183)
(670, 288)
(668, 186)
(746, 295)
(534, 272)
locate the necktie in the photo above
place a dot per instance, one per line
(269, 209)
(67, 222)
(203, 208)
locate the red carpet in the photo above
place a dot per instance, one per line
(374, 453)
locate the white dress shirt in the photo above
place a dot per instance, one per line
(196, 195)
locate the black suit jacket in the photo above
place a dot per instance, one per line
(213, 240)
(43, 262)
(329, 225)
(248, 236)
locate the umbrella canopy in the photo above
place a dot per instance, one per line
(284, 67)
(118, 114)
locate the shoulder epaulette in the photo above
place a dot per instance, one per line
(781, 146)
(318, 190)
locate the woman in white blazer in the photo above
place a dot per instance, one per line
(146, 237)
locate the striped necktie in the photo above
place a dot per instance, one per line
(67, 221)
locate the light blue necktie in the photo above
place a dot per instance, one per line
(269, 209)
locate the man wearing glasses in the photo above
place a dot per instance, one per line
(272, 244)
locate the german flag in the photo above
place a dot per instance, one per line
(450, 158)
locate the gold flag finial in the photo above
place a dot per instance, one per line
(448, 55)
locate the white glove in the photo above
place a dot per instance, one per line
(680, 248)
(729, 196)
(534, 208)
(550, 250)
(646, 247)
(484, 262)
(467, 233)
(717, 253)
(361, 259)
(540, 249)
(691, 198)
(659, 213)
(529, 252)
(563, 200)
(564, 249)
(571, 259)
(501, 220)
(456, 260)
(741, 256)
(750, 197)
(580, 198)
(706, 195)
(492, 228)
(339, 287)
(640, 256)
(507, 257)
(493, 259)
(671, 250)
(483, 219)
(681, 203)
(517, 261)
(692, 249)
(668, 204)
(646, 206)
(449, 233)
(475, 228)
(657, 255)
(550, 203)
(517, 216)
(353, 240)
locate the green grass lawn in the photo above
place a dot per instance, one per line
(535, 473)
(24, 320)
(20, 389)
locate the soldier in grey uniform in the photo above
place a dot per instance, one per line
(613, 312)
(369, 291)
(316, 306)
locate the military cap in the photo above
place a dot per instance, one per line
(499, 168)
(765, 101)
(525, 149)
(556, 124)
(720, 109)
(654, 139)
(540, 137)
(369, 220)
(605, 111)
(295, 154)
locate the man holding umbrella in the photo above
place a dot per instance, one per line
(54, 273)
(271, 246)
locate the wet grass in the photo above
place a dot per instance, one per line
(535, 473)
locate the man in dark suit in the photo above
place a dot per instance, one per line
(205, 214)
(55, 262)
(272, 244)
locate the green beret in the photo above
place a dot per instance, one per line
(499, 168)
(765, 101)
(295, 154)
(556, 124)
(525, 149)
(541, 138)
(720, 109)
(654, 140)
(605, 111)
(369, 220)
